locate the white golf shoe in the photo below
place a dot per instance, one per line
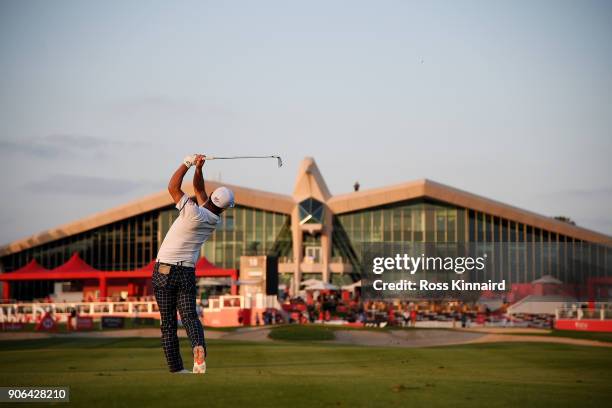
(183, 371)
(199, 360)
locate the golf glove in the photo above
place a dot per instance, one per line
(189, 160)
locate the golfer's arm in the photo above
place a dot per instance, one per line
(174, 186)
(198, 186)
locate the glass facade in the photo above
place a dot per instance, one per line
(412, 221)
(132, 243)
(123, 245)
(243, 231)
(528, 253)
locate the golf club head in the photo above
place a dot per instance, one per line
(280, 161)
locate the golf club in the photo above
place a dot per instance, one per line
(278, 158)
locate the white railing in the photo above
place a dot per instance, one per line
(32, 312)
(224, 302)
(256, 301)
(582, 311)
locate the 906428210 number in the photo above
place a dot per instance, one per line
(8, 394)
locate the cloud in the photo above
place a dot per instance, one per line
(83, 185)
(63, 145)
(31, 149)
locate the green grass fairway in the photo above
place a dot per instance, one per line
(298, 332)
(130, 372)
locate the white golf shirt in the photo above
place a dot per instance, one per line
(188, 232)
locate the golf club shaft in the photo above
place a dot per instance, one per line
(280, 163)
(238, 157)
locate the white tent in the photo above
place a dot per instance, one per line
(535, 304)
(309, 282)
(322, 286)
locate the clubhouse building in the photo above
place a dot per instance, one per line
(311, 232)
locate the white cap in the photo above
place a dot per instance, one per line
(223, 197)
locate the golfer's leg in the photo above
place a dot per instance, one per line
(166, 300)
(187, 308)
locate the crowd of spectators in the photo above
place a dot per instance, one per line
(329, 307)
(346, 307)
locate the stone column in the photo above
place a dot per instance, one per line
(296, 233)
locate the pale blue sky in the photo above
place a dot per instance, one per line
(100, 101)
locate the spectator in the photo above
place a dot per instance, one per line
(406, 316)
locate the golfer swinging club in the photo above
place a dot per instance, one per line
(174, 273)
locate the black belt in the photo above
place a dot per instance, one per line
(180, 263)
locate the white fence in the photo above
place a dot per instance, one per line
(32, 312)
(582, 311)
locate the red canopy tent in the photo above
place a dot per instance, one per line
(74, 268)
(27, 272)
(75, 265)
(77, 269)
(32, 267)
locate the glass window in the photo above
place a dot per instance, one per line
(440, 224)
(387, 225)
(418, 224)
(461, 228)
(451, 225)
(496, 229)
(311, 211)
(490, 229)
(472, 225)
(227, 223)
(376, 218)
(397, 225)
(407, 226)
(430, 221)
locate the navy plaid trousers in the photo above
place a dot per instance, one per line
(177, 290)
